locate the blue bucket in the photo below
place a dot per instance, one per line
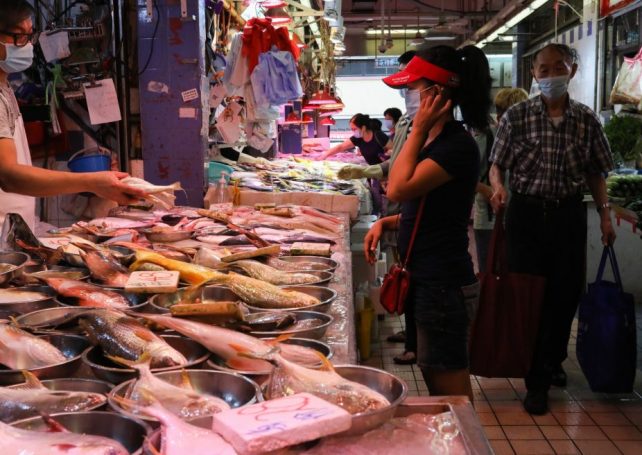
(214, 171)
(97, 161)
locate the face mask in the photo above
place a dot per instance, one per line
(18, 58)
(387, 124)
(413, 101)
(356, 134)
(553, 88)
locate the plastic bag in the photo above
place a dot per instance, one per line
(628, 84)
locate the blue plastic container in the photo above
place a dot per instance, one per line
(214, 170)
(97, 161)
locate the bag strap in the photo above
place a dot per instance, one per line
(609, 252)
(496, 259)
(420, 212)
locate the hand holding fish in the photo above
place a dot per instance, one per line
(109, 185)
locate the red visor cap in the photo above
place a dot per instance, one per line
(419, 68)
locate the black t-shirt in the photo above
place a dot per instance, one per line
(373, 151)
(440, 252)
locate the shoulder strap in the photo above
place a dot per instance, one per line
(420, 213)
(490, 140)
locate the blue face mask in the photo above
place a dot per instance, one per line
(553, 88)
(387, 123)
(18, 59)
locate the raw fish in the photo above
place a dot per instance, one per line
(12, 295)
(182, 400)
(271, 275)
(32, 398)
(104, 267)
(87, 294)
(20, 350)
(123, 337)
(191, 273)
(57, 441)
(265, 295)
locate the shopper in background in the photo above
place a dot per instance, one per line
(440, 161)
(391, 116)
(483, 217)
(367, 136)
(552, 146)
(19, 181)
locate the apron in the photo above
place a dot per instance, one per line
(25, 206)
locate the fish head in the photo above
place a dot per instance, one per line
(16, 228)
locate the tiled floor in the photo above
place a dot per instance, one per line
(580, 421)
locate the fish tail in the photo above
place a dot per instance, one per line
(141, 363)
(31, 380)
(325, 362)
(52, 424)
(186, 382)
(269, 356)
(279, 339)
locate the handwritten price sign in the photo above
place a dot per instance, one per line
(146, 281)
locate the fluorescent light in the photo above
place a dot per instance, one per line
(396, 31)
(439, 38)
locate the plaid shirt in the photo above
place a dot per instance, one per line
(547, 161)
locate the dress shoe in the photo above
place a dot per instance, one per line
(407, 358)
(399, 337)
(536, 402)
(558, 377)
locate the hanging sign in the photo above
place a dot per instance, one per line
(386, 62)
(609, 6)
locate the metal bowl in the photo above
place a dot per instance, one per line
(325, 295)
(81, 272)
(49, 318)
(131, 433)
(316, 263)
(161, 303)
(218, 363)
(107, 370)
(13, 258)
(136, 301)
(387, 384)
(48, 301)
(236, 390)
(72, 347)
(315, 333)
(166, 237)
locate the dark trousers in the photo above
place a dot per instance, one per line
(549, 239)
(482, 243)
(411, 328)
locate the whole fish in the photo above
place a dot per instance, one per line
(179, 437)
(162, 195)
(289, 378)
(113, 222)
(295, 266)
(88, 294)
(104, 267)
(191, 273)
(32, 398)
(17, 235)
(227, 344)
(12, 295)
(57, 441)
(123, 337)
(271, 275)
(265, 295)
(20, 350)
(182, 400)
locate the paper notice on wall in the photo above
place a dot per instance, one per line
(102, 102)
(217, 93)
(55, 46)
(189, 95)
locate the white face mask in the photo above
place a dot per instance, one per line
(356, 134)
(413, 101)
(18, 59)
(387, 123)
(553, 88)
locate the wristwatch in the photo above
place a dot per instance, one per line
(606, 205)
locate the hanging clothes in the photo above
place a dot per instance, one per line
(275, 79)
(237, 73)
(259, 36)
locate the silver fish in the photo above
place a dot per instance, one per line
(271, 275)
(11, 295)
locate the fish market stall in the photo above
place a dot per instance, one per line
(297, 181)
(189, 321)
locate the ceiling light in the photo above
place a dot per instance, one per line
(396, 31)
(439, 38)
(328, 121)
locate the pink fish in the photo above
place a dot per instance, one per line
(87, 294)
(20, 350)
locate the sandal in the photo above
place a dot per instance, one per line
(407, 358)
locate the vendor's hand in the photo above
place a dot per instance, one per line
(322, 157)
(371, 241)
(108, 185)
(499, 198)
(351, 171)
(431, 109)
(608, 232)
(485, 190)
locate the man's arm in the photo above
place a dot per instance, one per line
(597, 186)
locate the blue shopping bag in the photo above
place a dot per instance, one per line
(606, 336)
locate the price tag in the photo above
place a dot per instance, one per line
(57, 242)
(152, 282)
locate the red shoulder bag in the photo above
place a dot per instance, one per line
(396, 283)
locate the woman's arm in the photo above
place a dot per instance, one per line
(344, 146)
(407, 179)
(371, 241)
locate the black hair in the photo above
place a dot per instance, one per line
(567, 52)
(473, 93)
(405, 58)
(394, 113)
(12, 12)
(361, 120)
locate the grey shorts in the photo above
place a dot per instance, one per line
(443, 316)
